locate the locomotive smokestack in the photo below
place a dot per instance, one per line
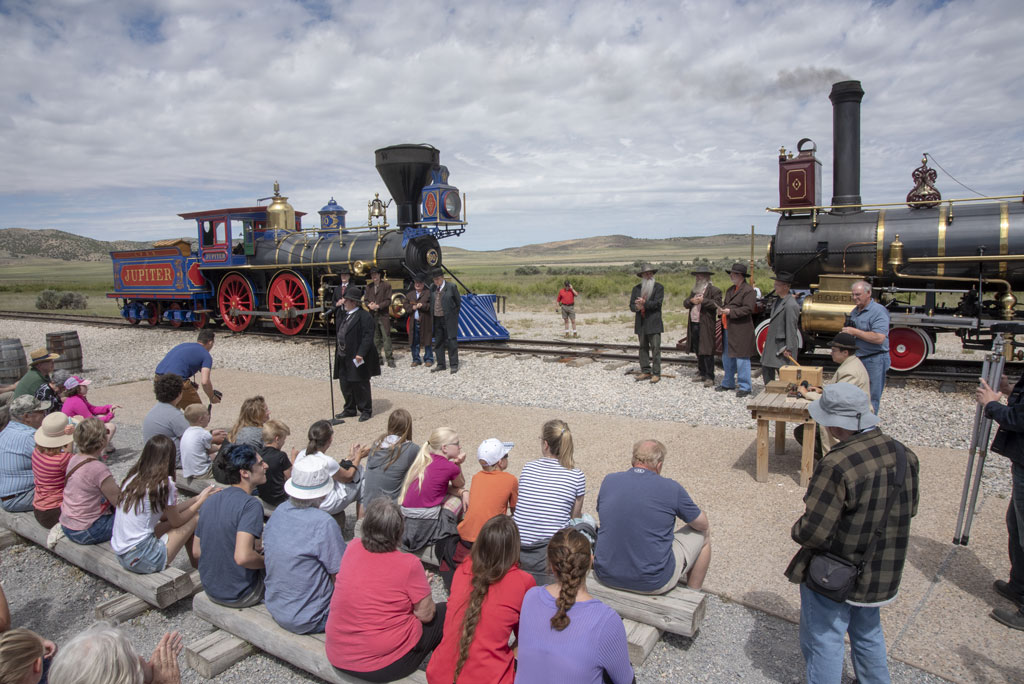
(846, 97)
(405, 169)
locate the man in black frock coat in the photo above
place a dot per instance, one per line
(356, 359)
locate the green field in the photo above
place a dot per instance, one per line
(602, 274)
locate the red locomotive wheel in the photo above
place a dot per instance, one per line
(761, 336)
(154, 313)
(235, 293)
(175, 322)
(289, 291)
(908, 347)
(200, 320)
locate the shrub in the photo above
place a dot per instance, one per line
(55, 299)
(527, 270)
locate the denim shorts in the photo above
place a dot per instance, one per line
(146, 557)
(97, 533)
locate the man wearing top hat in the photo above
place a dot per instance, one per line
(421, 322)
(445, 302)
(783, 336)
(845, 508)
(40, 366)
(355, 359)
(645, 301)
(702, 305)
(378, 301)
(737, 332)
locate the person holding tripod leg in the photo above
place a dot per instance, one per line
(1009, 441)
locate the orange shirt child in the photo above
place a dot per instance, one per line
(492, 491)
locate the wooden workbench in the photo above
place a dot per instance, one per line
(782, 409)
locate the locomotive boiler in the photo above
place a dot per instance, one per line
(937, 265)
(259, 263)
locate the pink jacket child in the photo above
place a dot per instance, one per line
(77, 405)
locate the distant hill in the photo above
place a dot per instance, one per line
(57, 244)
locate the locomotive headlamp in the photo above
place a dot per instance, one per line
(452, 204)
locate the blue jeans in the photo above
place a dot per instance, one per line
(823, 622)
(22, 503)
(428, 350)
(97, 533)
(1015, 528)
(738, 368)
(876, 367)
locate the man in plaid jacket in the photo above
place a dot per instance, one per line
(845, 503)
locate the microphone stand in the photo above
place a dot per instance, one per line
(331, 354)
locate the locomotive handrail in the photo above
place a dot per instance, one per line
(783, 210)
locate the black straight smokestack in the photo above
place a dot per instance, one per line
(846, 97)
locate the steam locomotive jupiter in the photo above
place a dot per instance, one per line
(938, 265)
(283, 273)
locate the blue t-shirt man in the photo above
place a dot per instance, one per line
(223, 516)
(303, 549)
(185, 360)
(869, 318)
(638, 510)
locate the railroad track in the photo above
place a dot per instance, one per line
(940, 370)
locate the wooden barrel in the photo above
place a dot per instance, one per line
(67, 345)
(13, 362)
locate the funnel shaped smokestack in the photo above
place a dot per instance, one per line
(405, 169)
(846, 97)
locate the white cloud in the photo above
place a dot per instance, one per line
(559, 119)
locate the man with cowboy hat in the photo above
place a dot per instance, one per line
(40, 366)
(355, 359)
(783, 336)
(702, 304)
(846, 507)
(378, 300)
(850, 370)
(302, 548)
(645, 301)
(445, 303)
(17, 440)
(737, 332)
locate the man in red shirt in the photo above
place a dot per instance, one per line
(566, 300)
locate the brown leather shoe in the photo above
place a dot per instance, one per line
(642, 376)
(655, 378)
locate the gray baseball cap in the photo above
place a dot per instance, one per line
(26, 404)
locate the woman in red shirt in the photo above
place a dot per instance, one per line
(566, 301)
(486, 595)
(382, 621)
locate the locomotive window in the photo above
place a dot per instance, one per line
(208, 234)
(214, 233)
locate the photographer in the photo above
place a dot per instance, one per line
(1009, 442)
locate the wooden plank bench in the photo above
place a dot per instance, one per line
(304, 651)
(196, 486)
(159, 589)
(680, 611)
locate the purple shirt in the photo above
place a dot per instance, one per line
(593, 643)
(439, 473)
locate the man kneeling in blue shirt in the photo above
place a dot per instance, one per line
(638, 548)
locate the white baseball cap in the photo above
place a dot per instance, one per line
(493, 450)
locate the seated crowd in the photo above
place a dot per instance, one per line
(514, 553)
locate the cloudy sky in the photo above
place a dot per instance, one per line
(559, 119)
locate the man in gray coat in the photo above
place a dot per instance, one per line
(445, 302)
(702, 313)
(783, 329)
(645, 301)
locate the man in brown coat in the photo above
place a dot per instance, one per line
(738, 332)
(703, 304)
(421, 322)
(378, 300)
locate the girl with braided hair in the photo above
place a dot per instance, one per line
(565, 634)
(484, 603)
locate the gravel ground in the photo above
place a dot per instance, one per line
(735, 643)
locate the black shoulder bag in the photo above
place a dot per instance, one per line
(833, 576)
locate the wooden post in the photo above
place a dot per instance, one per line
(8, 538)
(807, 453)
(762, 450)
(215, 653)
(780, 437)
(641, 640)
(121, 608)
